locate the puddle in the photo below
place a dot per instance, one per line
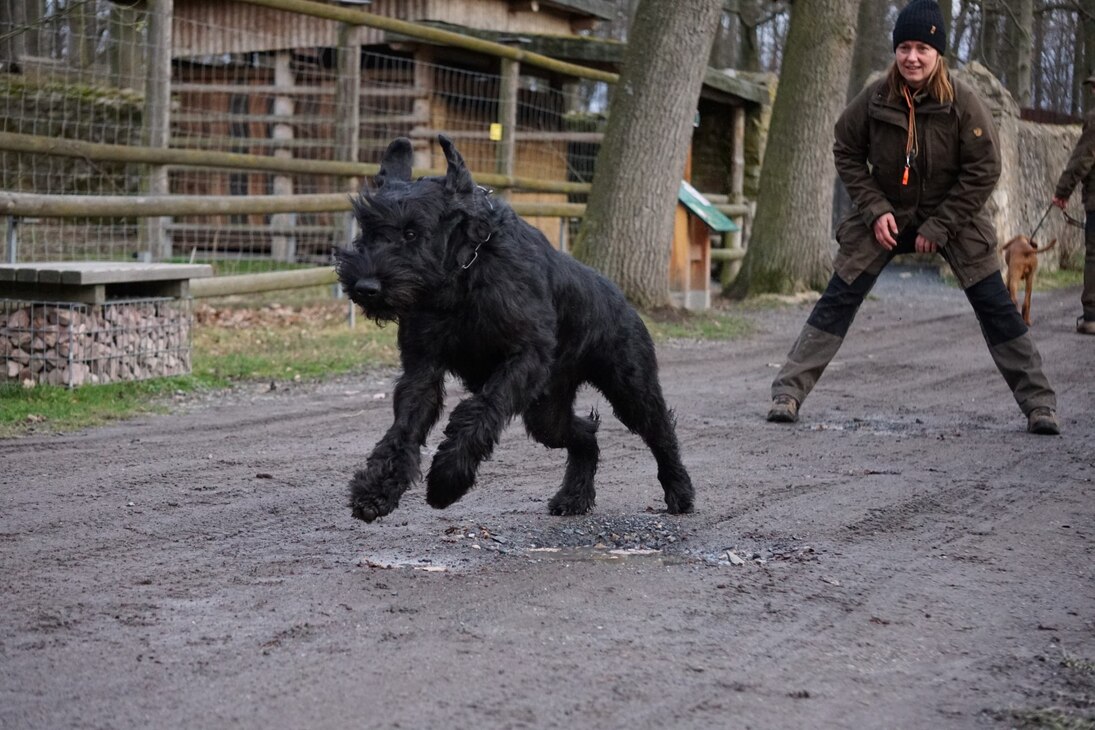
(601, 554)
(622, 539)
(422, 564)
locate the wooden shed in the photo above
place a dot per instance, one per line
(695, 221)
(252, 79)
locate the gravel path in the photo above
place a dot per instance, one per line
(906, 556)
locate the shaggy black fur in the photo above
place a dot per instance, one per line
(480, 293)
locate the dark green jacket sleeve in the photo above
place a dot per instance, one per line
(1080, 165)
(979, 169)
(851, 152)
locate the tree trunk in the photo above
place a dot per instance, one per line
(1022, 24)
(873, 50)
(946, 7)
(956, 34)
(989, 42)
(628, 227)
(84, 37)
(1079, 68)
(791, 245)
(1087, 25)
(724, 50)
(749, 50)
(1037, 86)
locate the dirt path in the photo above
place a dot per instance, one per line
(904, 557)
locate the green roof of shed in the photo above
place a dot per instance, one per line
(702, 208)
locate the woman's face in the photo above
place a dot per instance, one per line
(915, 62)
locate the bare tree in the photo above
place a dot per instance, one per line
(873, 43)
(1022, 21)
(749, 50)
(629, 217)
(1087, 23)
(791, 245)
(873, 48)
(724, 49)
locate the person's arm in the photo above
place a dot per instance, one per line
(979, 170)
(1079, 164)
(851, 150)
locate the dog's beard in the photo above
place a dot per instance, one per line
(395, 296)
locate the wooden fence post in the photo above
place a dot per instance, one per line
(422, 107)
(507, 116)
(157, 121)
(348, 114)
(283, 247)
(733, 240)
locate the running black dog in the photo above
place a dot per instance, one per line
(480, 293)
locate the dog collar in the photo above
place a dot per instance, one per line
(475, 252)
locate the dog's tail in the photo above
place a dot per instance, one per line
(1046, 248)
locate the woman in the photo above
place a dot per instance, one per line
(917, 153)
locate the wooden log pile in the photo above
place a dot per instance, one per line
(79, 344)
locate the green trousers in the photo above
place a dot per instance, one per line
(1008, 338)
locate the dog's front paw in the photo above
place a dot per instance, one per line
(367, 503)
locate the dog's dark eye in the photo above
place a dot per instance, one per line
(409, 235)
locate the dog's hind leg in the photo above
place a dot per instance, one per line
(636, 398)
(1029, 280)
(551, 421)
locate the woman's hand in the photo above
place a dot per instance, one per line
(885, 228)
(923, 245)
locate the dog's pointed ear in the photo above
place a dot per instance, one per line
(457, 177)
(396, 164)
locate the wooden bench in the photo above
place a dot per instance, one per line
(88, 322)
(97, 282)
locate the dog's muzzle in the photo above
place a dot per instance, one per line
(367, 287)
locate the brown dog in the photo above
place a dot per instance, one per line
(1021, 258)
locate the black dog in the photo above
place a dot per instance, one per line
(480, 293)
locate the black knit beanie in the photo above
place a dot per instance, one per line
(921, 20)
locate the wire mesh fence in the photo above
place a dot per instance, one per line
(269, 85)
(73, 344)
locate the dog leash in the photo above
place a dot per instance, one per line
(1042, 220)
(1068, 219)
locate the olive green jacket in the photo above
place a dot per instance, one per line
(952, 175)
(1081, 166)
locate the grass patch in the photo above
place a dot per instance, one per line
(1043, 280)
(1045, 719)
(233, 267)
(286, 343)
(55, 408)
(673, 324)
(1059, 279)
(283, 336)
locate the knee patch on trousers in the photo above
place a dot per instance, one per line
(838, 305)
(1000, 319)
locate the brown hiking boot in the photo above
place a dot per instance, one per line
(1043, 421)
(1085, 326)
(784, 409)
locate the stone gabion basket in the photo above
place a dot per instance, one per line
(73, 344)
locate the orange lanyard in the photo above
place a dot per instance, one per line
(910, 141)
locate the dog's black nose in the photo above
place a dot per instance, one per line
(367, 288)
